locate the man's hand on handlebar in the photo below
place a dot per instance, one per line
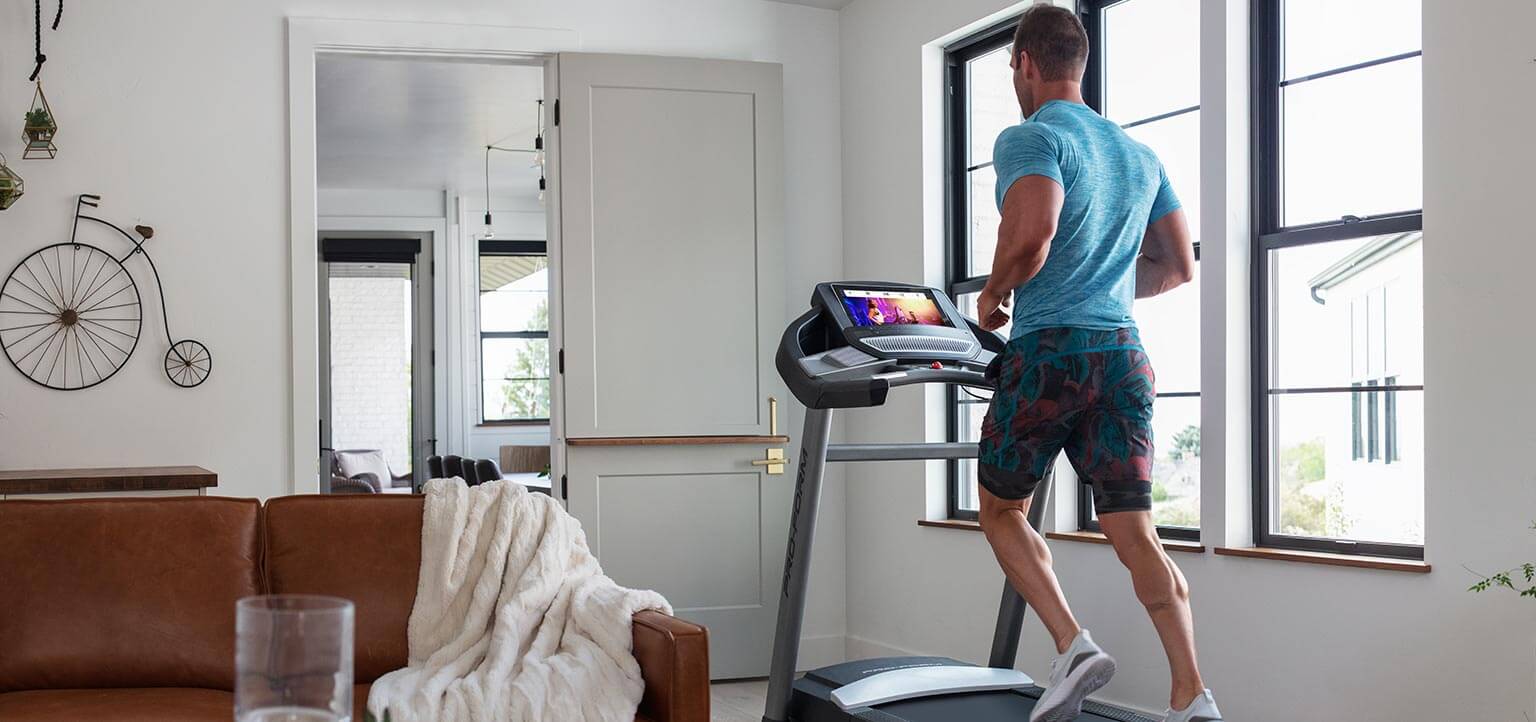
(992, 309)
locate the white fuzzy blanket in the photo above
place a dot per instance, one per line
(514, 619)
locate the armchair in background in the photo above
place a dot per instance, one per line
(354, 468)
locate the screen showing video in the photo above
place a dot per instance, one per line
(871, 307)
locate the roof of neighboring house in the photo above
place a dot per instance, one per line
(508, 270)
(1379, 249)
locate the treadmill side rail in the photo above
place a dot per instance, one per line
(899, 684)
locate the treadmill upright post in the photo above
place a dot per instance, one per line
(1010, 612)
(797, 563)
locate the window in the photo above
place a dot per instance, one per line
(1338, 277)
(981, 105)
(1144, 74)
(514, 331)
(1157, 103)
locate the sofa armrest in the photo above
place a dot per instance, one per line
(674, 660)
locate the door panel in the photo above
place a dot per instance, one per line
(672, 202)
(722, 547)
(699, 524)
(671, 240)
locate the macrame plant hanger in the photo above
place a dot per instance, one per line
(40, 124)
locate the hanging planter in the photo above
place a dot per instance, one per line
(11, 185)
(40, 128)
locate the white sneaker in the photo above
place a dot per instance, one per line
(1079, 672)
(1202, 709)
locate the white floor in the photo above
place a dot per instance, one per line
(738, 701)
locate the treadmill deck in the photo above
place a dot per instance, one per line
(811, 700)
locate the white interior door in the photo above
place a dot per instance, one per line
(671, 198)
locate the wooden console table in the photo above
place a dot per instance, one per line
(108, 482)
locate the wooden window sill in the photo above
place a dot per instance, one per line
(950, 524)
(1175, 545)
(512, 422)
(1093, 537)
(1413, 566)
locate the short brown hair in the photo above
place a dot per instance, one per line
(1055, 40)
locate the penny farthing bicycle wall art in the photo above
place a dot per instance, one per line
(71, 313)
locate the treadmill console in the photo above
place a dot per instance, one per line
(897, 321)
(862, 337)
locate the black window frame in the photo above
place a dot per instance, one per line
(958, 217)
(1092, 14)
(1266, 83)
(491, 247)
(957, 210)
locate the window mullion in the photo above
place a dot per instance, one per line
(1160, 116)
(1286, 83)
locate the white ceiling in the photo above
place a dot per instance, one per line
(828, 4)
(411, 123)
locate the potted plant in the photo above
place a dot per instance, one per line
(11, 186)
(1520, 580)
(40, 126)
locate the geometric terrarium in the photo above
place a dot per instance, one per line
(40, 128)
(11, 185)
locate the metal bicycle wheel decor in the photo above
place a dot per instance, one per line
(71, 314)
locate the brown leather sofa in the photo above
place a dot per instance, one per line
(124, 609)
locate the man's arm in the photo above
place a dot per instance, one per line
(1167, 258)
(1030, 211)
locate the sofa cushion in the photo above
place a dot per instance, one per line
(363, 548)
(123, 592)
(152, 704)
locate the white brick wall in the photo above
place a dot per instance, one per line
(371, 367)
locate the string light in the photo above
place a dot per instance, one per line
(538, 162)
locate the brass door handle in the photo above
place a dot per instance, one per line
(774, 461)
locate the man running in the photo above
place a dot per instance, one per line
(1090, 223)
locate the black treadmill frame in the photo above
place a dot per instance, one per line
(816, 451)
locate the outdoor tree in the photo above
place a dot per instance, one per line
(1305, 511)
(525, 390)
(1186, 443)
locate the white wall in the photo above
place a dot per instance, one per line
(1279, 641)
(176, 112)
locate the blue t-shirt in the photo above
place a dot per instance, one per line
(1114, 187)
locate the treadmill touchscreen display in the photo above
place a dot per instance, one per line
(881, 307)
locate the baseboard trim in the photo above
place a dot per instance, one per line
(822, 650)
(861, 648)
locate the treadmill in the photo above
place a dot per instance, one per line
(858, 340)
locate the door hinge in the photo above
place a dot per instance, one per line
(564, 489)
(557, 112)
(561, 363)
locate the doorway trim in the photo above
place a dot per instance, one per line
(425, 337)
(307, 38)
